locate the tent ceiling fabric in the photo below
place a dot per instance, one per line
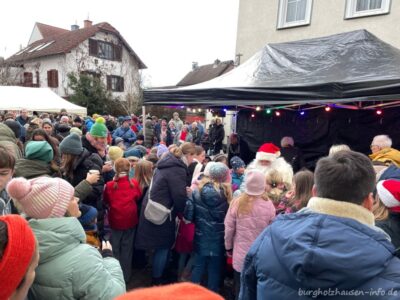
(38, 99)
(346, 67)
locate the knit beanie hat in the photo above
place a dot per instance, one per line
(17, 254)
(76, 130)
(72, 144)
(88, 215)
(118, 140)
(140, 137)
(41, 197)
(254, 183)
(39, 150)
(389, 193)
(208, 167)
(161, 149)
(177, 291)
(115, 152)
(135, 151)
(14, 126)
(219, 172)
(99, 128)
(237, 163)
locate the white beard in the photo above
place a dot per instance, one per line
(279, 165)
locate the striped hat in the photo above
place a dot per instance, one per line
(41, 197)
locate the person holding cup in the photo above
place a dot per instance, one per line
(82, 170)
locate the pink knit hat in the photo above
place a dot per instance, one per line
(254, 183)
(42, 197)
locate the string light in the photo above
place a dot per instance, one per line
(379, 112)
(225, 110)
(327, 108)
(199, 110)
(253, 115)
(258, 108)
(268, 111)
(278, 113)
(302, 113)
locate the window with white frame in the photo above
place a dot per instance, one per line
(363, 8)
(294, 13)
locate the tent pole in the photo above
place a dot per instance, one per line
(144, 121)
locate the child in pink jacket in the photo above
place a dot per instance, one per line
(247, 217)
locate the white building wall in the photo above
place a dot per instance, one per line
(45, 64)
(257, 24)
(35, 35)
(79, 60)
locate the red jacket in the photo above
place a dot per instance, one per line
(122, 203)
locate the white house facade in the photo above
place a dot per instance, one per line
(97, 50)
(274, 21)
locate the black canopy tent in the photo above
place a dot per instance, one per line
(353, 70)
(346, 67)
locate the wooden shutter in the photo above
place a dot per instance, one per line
(37, 79)
(28, 79)
(121, 84)
(52, 78)
(93, 50)
(55, 76)
(108, 82)
(117, 53)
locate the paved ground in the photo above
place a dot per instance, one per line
(142, 278)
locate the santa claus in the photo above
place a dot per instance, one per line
(268, 158)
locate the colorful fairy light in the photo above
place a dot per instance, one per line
(268, 111)
(278, 113)
(253, 115)
(379, 112)
(258, 108)
(327, 108)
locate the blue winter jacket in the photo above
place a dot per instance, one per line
(126, 134)
(304, 255)
(207, 210)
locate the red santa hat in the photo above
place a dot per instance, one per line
(389, 193)
(268, 151)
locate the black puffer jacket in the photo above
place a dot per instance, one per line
(168, 189)
(85, 162)
(392, 227)
(207, 210)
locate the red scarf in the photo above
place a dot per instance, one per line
(183, 136)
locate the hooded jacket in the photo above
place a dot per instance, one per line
(318, 251)
(207, 209)
(9, 141)
(32, 168)
(169, 189)
(68, 267)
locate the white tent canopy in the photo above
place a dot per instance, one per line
(35, 99)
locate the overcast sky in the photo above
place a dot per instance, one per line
(168, 35)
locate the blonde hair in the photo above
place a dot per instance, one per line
(274, 178)
(121, 165)
(337, 148)
(379, 210)
(144, 173)
(244, 204)
(217, 186)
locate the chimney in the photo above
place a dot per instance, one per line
(216, 63)
(87, 23)
(195, 65)
(74, 27)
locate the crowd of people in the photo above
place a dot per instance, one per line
(84, 201)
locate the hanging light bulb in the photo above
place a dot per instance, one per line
(302, 113)
(258, 108)
(225, 110)
(327, 108)
(253, 115)
(278, 113)
(199, 110)
(379, 112)
(268, 111)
